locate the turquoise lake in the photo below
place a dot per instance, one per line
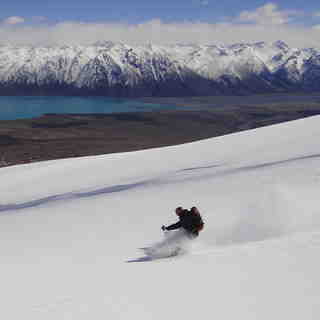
(21, 107)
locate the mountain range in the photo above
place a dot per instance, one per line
(121, 70)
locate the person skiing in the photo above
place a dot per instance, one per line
(190, 221)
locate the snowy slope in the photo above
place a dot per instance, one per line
(117, 69)
(70, 231)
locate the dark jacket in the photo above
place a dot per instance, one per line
(188, 221)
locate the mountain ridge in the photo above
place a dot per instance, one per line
(117, 69)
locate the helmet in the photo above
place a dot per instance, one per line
(194, 210)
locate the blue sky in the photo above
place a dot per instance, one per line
(164, 21)
(135, 11)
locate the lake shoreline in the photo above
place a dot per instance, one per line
(56, 136)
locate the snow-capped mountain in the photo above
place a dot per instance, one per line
(117, 69)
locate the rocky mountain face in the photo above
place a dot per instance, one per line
(114, 69)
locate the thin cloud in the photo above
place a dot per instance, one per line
(39, 19)
(159, 32)
(13, 20)
(201, 3)
(269, 14)
(204, 3)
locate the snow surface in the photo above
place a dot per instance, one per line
(70, 231)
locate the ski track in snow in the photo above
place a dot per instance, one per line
(70, 196)
(125, 187)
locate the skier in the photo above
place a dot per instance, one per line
(190, 221)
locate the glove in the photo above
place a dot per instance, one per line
(163, 228)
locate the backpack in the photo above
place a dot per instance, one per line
(197, 221)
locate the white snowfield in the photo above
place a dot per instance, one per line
(70, 231)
